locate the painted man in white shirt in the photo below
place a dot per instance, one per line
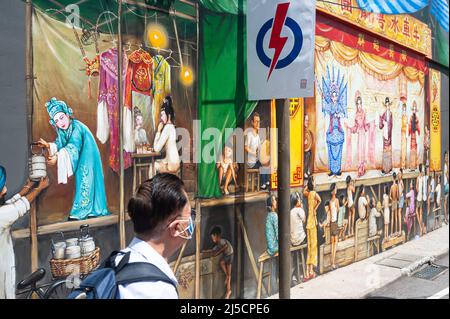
(163, 221)
(10, 211)
(363, 202)
(253, 147)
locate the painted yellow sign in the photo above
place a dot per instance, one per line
(296, 110)
(400, 28)
(435, 120)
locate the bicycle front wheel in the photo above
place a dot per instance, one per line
(60, 289)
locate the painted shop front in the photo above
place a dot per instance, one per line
(367, 167)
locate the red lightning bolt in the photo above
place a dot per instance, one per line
(278, 42)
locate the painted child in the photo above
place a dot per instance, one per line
(227, 169)
(223, 246)
(334, 229)
(386, 213)
(342, 221)
(350, 205)
(410, 210)
(373, 215)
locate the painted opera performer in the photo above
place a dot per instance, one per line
(414, 130)
(334, 99)
(75, 152)
(386, 124)
(404, 132)
(360, 127)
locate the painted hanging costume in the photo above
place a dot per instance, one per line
(334, 99)
(77, 154)
(108, 109)
(138, 92)
(413, 129)
(386, 124)
(161, 85)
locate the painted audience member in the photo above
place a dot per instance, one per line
(363, 202)
(350, 205)
(394, 197)
(419, 189)
(401, 201)
(374, 214)
(386, 213)
(410, 210)
(311, 229)
(342, 221)
(272, 226)
(298, 219)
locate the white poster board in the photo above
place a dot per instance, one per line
(280, 48)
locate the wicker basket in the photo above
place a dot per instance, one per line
(61, 268)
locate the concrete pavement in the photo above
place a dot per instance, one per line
(360, 279)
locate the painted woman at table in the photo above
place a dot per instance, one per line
(166, 139)
(75, 152)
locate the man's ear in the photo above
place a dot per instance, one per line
(174, 228)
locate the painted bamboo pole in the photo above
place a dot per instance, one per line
(29, 77)
(197, 248)
(120, 96)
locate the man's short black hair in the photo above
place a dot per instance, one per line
(155, 201)
(216, 231)
(255, 114)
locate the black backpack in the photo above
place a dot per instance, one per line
(103, 283)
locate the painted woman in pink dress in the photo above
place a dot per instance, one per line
(360, 127)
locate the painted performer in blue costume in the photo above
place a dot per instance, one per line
(76, 153)
(334, 100)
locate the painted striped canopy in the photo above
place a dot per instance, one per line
(439, 8)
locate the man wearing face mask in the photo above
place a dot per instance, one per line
(163, 221)
(10, 211)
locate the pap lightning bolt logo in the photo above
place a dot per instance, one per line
(278, 42)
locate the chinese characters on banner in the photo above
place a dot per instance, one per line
(402, 29)
(296, 110)
(435, 120)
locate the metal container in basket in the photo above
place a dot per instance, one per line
(83, 265)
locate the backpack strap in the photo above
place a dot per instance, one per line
(141, 272)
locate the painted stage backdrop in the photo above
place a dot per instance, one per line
(364, 104)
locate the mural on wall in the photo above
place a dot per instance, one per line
(296, 118)
(373, 115)
(75, 153)
(152, 96)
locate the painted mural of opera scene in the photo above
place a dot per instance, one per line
(85, 142)
(367, 172)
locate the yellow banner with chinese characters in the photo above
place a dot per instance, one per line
(435, 120)
(296, 110)
(400, 28)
